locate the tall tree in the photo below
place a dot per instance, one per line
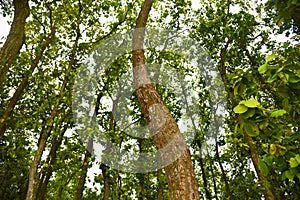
(180, 174)
(15, 38)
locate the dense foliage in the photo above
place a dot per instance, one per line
(253, 154)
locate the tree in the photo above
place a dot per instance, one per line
(15, 38)
(180, 174)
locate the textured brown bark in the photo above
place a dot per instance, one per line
(180, 174)
(23, 84)
(253, 153)
(15, 38)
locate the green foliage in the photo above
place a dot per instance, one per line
(262, 90)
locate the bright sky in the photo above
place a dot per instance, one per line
(4, 28)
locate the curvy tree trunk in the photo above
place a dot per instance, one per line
(23, 84)
(15, 38)
(180, 174)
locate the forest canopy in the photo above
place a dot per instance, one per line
(150, 99)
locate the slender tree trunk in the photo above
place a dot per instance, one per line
(180, 174)
(212, 169)
(51, 160)
(253, 152)
(106, 179)
(15, 38)
(80, 186)
(199, 143)
(160, 193)
(202, 167)
(33, 179)
(23, 84)
(224, 176)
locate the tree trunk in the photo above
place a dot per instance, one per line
(33, 179)
(160, 193)
(253, 153)
(51, 160)
(212, 169)
(23, 84)
(15, 38)
(228, 190)
(180, 174)
(202, 167)
(80, 186)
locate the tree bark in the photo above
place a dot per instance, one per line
(23, 84)
(15, 38)
(180, 174)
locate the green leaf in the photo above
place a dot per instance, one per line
(249, 113)
(294, 79)
(270, 57)
(263, 68)
(240, 109)
(252, 103)
(268, 159)
(263, 167)
(293, 162)
(263, 124)
(289, 174)
(272, 78)
(298, 158)
(251, 128)
(278, 113)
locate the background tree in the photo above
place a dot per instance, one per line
(253, 154)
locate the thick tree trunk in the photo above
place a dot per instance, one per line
(180, 174)
(15, 38)
(23, 84)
